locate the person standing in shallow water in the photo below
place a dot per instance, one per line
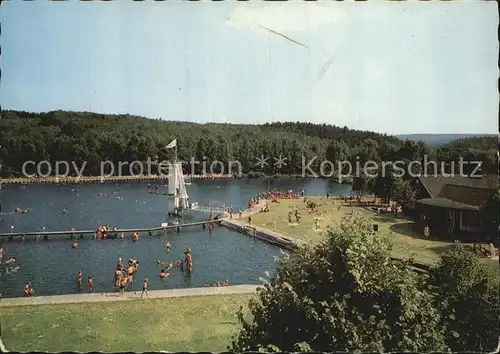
(79, 278)
(188, 260)
(28, 289)
(2, 253)
(122, 284)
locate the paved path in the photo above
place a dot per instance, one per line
(131, 295)
(255, 210)
(259, 228)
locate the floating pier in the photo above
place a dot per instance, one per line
(177, 227)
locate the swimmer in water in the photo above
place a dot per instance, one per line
(164, 274)
(64, 211)
(180, 264)
(168, 245)
(11, 270)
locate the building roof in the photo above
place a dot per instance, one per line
(466, 195)
(447, 203)
(457, 192)
(435, 184)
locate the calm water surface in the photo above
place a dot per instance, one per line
(51, 265)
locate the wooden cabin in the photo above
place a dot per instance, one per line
(451, 205)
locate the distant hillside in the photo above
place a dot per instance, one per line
(436, 140)
(94, 138)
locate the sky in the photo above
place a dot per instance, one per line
(389, 67)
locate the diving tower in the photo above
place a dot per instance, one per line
(177, 182)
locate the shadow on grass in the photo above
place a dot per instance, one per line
(407, 229)
(442, 249)
(386, 218)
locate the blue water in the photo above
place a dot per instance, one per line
(51, 265)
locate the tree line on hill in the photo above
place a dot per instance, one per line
(92, 137)
(348, 295)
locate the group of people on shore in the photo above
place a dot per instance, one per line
(289, 194)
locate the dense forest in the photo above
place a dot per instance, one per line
(91, 137)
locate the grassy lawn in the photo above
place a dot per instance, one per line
(406, 241)
(198, 323)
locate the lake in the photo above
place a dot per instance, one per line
(51, 265)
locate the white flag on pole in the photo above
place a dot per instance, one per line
(172, 144)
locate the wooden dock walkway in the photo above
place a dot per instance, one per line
(104, 179)
(119, 231)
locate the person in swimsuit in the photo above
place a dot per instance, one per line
(90, 284)
(118, 277)
(164, 274)
(122, 284)
(145, 288)
(169, 246)
(79, 278)
(28, 290)
(2, 253)
(189, 260)
(180, 264)
(130, 274)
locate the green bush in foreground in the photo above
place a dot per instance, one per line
(346, 294)
(468, 300)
